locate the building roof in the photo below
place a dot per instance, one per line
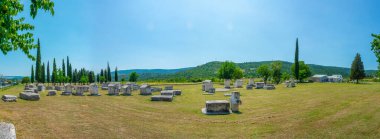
(319, 76)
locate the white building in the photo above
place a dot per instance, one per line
(335, 78)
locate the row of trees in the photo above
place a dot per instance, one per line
(273, 71)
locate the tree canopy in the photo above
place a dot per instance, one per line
(304, 70)
(264, 72)
(15, 33)
(357, 69)
(229, 70)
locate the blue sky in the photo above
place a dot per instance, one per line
(136, 34)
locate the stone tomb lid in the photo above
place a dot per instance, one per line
(217, 101)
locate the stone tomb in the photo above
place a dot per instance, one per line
(259, 85)
(127, 90)
(94, 90)
(51, 93)
(9, 98)
(156, 89)
(227, 83)
(29, 96)
(145, 90)
(235, 101)
(238, 83)
(290, 84)
(169, 87)
(105, 86)
(41, 87)
(217, 107)
(79, 90)
(168, 98)
(68, 90)
(251, 81)
(49, 88)
(269, 87)
(249, 87)
(207, 86)
(7, 131)
(59, 88)
(113, 89)
(167, 93)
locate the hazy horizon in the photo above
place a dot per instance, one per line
(172, 34)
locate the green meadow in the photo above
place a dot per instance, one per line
(313, 110)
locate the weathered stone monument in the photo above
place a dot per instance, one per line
(251, 81)
(59, 88)
(162, 98)
(238, 83)
(68, 90)
(7, 131)
(269, 87)
(29, 96)
(235, 101)
(227, 83)
(290, 84)
(94, 90)
(104, 86)
(79, 90)
(156, 89)
(127, 90)
(259, 85)
(113, 89)
(217, 107)
(207, 86)
(49, 88)
(52, 93)
(249, 87)
(169, 87)
(145, 90)
(167, 93)
(9, 98)
(41, 87)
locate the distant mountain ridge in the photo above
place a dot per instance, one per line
(209, 70)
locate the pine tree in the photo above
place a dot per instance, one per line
(116, 75)
(38, 63)
(296, 63)
(357, 69)
(32, 75)
(63, 68)
(109, 72)
(48, 73)
(43, 73)
(97, 78)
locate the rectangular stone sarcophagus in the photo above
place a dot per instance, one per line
(239, 83)
(216, 107)
(259, 85)
(145, 90)
(29, 96)
(113, 89)
(207, 85)
(162, 98)
(127, 90)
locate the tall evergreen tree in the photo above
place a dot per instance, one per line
(48, 73)
(38, 63)
(296, 63)
(97, 78)
(71, 72)
(43, 73)
(54, 75)
(109, 72)
(63, 68)
(32, 75)
(116, 75)
(101, 72)
(105, 75)
(357, 69)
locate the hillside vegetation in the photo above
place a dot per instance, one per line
(209, 71)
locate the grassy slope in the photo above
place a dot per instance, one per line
(308, 111)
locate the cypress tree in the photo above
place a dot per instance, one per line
(54, 76)
(101, 72)
(357, 69)
(97, 78)
(43, 73)
(109, 72)
(116, 75)
(63, 68)
(106, 75)
(48, 73)
(296, 63)
(32, 75)
(38, 62)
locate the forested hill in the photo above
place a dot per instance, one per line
(209, 70)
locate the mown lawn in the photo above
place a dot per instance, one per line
(307, 111)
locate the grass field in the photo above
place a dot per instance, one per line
(307, 111)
